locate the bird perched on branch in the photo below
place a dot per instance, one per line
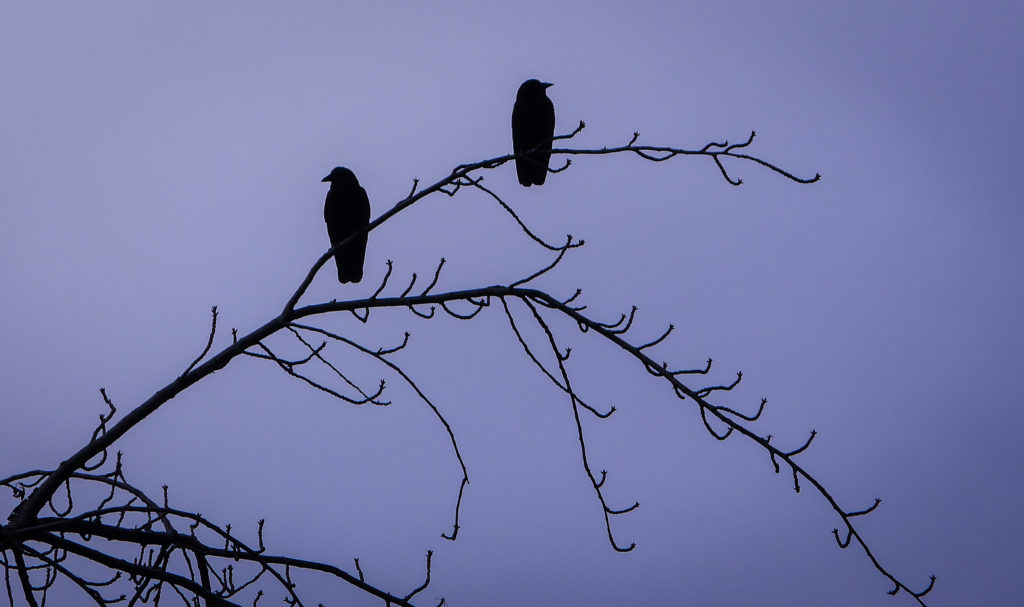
(533, 126)
(347, 211)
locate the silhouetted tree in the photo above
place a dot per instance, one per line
(174, 549)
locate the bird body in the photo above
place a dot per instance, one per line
(347, 211)
(533, 126)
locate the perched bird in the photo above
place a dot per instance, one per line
(346, 211)
(533, 125)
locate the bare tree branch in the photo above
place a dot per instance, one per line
(154, 547)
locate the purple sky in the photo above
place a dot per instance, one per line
(157, 160)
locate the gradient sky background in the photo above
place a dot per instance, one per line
(157, 159)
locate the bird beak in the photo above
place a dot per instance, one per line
(547, 84)
(328, 178)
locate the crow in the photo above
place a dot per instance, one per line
(346, 211)
(533, 126)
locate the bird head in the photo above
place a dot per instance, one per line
(342, 176)
(532, 87)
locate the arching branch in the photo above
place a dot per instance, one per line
(49, 534)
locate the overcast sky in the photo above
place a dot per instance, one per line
(160, 158)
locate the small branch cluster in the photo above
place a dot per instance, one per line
(154, 548)
(721, 421)
(461, 177)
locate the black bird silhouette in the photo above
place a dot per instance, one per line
(533, 126)
(346, 211)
